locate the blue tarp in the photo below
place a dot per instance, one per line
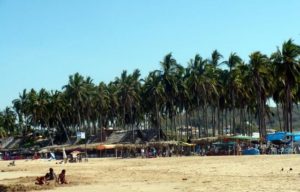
(281, 136)
(276, 136)
(251, 151)
(297, 138)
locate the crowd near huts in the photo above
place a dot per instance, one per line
(152, 144)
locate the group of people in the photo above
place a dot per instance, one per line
(51, 176)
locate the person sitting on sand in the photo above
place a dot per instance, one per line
(51, 175)
(62, 177)
(48, 177)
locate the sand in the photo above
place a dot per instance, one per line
(222, 173)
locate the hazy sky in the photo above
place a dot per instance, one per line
(42, 42)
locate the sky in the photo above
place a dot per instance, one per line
(43, 42)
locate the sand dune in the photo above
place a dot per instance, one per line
(228, 173)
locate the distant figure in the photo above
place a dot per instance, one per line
(62, 177)
(12, 163)
(48, 177)
(142, 152)
(239, 149)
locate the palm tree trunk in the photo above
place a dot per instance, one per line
(64, 128)
(278, 115)
(213, 121)
(218, 119)
(290, 110)
(186, 124)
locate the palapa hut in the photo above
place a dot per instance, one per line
(135, 137)
(130, 143)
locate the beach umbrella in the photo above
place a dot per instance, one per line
(103, 147)
(43, 151)
(64, 153)
(75, 152)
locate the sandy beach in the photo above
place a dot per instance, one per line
(226, 173)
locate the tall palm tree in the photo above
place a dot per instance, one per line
(262, 78)
(232, 62)
(196, 82)
(168, 78)
(128, 90)
(153, 93)
(59, 108)
(102, 106)
(76, 94)
(287, 69)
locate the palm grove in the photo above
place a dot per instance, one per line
(174, 99)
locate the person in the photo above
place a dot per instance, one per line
(51, 175)
(239, 149)
(62, 177)
(48, 177)
(142, 152)
(12, 163)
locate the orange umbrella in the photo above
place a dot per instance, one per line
(103, 147)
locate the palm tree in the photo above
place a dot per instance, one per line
(153, 93)
(196, 83)
(2, 132)
(76, 94)
(213, 74)
(19, 106)
(128, 90)
(262, 78)
(232, 62)
(101, 102)
(287, 69)
(170, 68)
(59, 108)
(8, 120)
(113, 105)
(88, 105)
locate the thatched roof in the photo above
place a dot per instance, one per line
(70, 147)
(205, 140)
(163, 143)
(136, 136)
